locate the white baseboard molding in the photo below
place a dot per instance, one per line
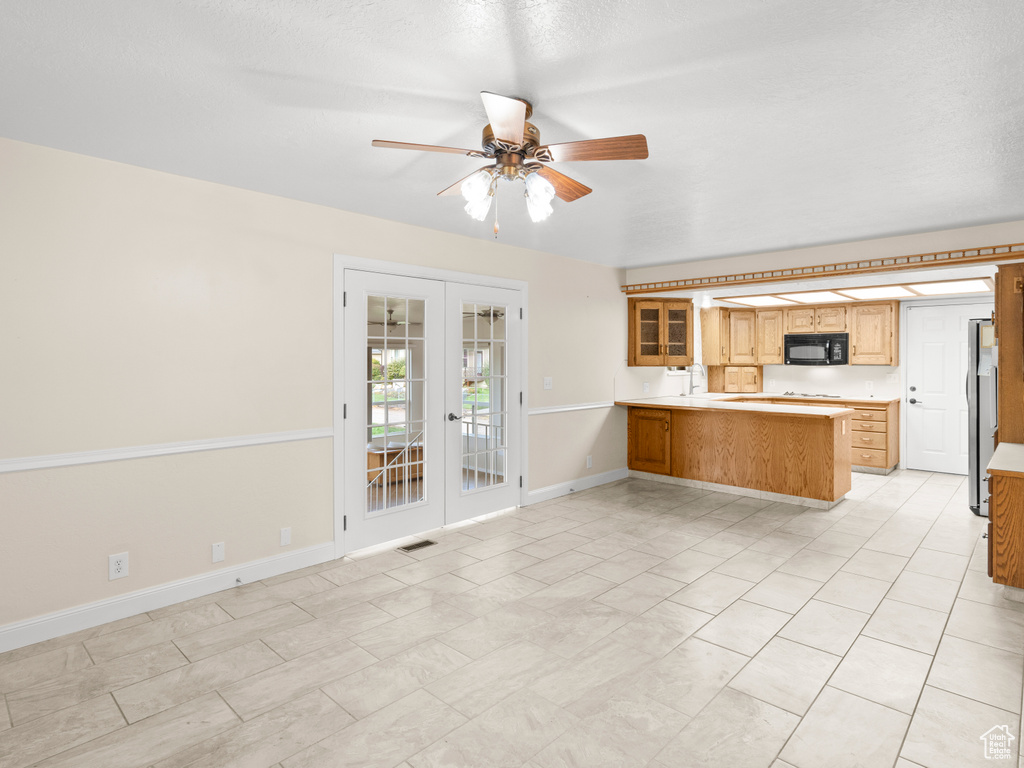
(81, 617)
(580, 484)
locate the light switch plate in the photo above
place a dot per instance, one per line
(547, 382)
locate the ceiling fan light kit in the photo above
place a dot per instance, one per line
(515, 147)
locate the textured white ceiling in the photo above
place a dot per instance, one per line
(770, 124)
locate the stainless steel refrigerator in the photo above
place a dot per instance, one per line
(982, 396)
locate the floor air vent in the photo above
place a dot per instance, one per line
(417, 545)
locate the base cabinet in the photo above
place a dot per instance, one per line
(649, 435)
(1006, 515)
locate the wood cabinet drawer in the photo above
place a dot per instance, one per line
(868, 457)
(868, 440)
(865, 414)
(868, 426)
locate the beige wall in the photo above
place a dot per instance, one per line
(141, 308)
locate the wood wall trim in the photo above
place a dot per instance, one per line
(984, 255)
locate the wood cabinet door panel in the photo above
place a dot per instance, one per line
(742, 336)
(649, 440)
(769, 337)
(799, 320)
(678, 332)
(830, 320)
(872, 337)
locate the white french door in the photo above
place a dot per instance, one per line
(394, 372)
(431, 404)
(482, 456)
(936, 400)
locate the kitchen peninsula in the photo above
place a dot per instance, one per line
(799, 451)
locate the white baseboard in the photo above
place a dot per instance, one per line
(580, 484)
(121, 607)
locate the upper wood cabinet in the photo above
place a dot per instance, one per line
(769, 337)
(873, 334)
(799, 320)
(742, 337)
(714, 335)
(816, 319)
(830, 319)
(660, 332)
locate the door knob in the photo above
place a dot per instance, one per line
(914, 401)
(453, 417)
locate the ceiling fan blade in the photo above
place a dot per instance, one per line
(427, 148)
(567, 189)
(616, 148)
(506, 116)
(455, 189)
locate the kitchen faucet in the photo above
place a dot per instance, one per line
(703, 373)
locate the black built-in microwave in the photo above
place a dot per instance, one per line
(817, 348)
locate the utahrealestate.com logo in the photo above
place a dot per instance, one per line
(998, 743)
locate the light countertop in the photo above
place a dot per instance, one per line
(1008, 459)
(726, 402)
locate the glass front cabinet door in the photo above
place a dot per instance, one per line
(660, 332)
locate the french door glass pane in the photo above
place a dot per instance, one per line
(484, 401)
(396, 402)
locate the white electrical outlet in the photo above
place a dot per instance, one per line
(869, 385)
(647, 387)
(590, 462)
(218, 552)
(118, 566)
(286, 537)
(547, 382)
(892, 378)
(771, 385)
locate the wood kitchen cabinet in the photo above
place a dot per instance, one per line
(1006, 469)
(830, 319)
(769, 337)
(873, 334)
(649, 440)
(742, 337)
(660, 332)
(714, 335)
(799, 320)
(825, 319)
(734, 378)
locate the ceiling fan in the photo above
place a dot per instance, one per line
(391, 322)
(514, 146)
(490, 314)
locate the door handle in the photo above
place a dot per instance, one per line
(914, 401)
(453, 417)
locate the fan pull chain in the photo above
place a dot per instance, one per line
(495, 216)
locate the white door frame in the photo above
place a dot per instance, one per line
(905, 346)
(341, 263)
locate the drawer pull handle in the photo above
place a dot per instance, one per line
(865, 455)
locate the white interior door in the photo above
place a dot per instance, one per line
(394, 393)
(431, 404)
(935, 400)
(484, 400)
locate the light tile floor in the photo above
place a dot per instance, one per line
(635, 624)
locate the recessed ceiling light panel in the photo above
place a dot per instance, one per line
(815, 297)
(758, 301)
(880, 292)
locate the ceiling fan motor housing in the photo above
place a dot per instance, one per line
(531, 140)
